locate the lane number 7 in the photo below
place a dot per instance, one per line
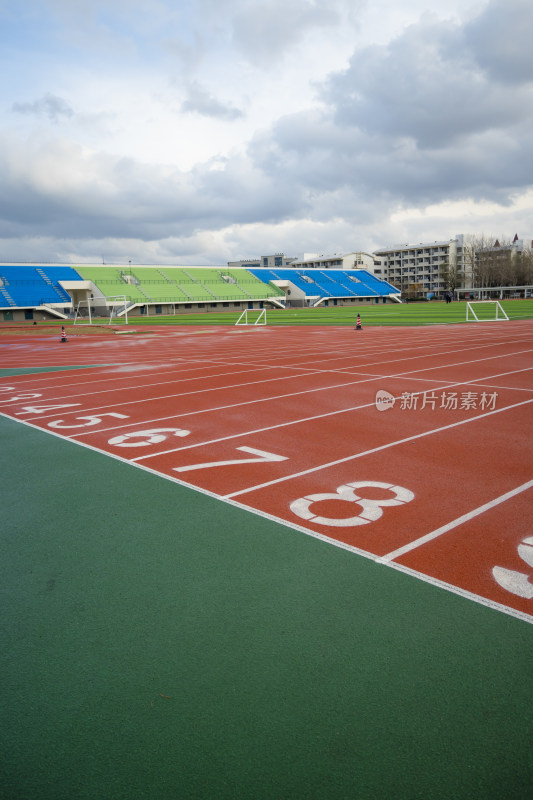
(261, 456)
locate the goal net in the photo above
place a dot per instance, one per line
(484, 311)
(252, 317)
(112, 309)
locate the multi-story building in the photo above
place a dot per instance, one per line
(506, 264)
(279, 260)
(310, 261)
(424, 268)
(354, 260)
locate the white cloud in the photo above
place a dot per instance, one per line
(206, 130)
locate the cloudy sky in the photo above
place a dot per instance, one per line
(201, 131)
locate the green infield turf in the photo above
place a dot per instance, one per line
(390, 314)
(430, 313)
(160, 644)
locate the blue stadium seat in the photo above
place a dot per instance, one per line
(35, 285)
(330, 283)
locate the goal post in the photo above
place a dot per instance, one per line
(485, 311)
(111, 308)
(253, 317)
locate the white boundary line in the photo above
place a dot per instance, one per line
(377, 449)
(512, 612)
(356, 371)
(454, 523)
(299, 421)
(203, 390)
(449, 587)
(259, 400)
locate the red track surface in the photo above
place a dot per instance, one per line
(278, 419)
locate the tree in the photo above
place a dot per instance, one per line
(518, 270)
(494, 263)
(451, 275)
(414, 291)
(473, 246)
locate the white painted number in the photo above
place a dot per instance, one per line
(372, 509)
(44, 409)
(154, 436)
(26, 396)
(518, 582)
(262, 456)
(93, 420)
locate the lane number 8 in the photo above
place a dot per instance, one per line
(372, 509)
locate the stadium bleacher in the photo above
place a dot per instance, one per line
(110, 281)
(330, 283)
(33, 286)
(28, 287)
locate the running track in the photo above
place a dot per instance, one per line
(408, 446)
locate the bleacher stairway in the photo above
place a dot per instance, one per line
(7, 297)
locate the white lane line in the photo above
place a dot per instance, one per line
(262, 400)
(306, 370)
(298, 421)
(464, 593)
(428, 537)
(484, 601)
(482, 385)
(377, 449)
(202, 390)
(361, 367)
(430, 368)
(473, 381)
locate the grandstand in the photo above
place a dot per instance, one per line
(57, 290)
(110, 281)
(32, 287)
(318, 287)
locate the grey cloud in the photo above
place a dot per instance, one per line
(416, 121)
(312, 157)
(425, 85)
(61, 191)
(426, 118)
(50, 106)
(502, 40)
(200, 101)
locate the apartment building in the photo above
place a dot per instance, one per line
(279, 260)
(422, 269)
(355, 260)
(502, 263)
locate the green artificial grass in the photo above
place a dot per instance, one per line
(158, 644)
(383, 314)
(403, 314)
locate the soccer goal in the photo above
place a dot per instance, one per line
(252, 317)
(485, 311)
(110, 309)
